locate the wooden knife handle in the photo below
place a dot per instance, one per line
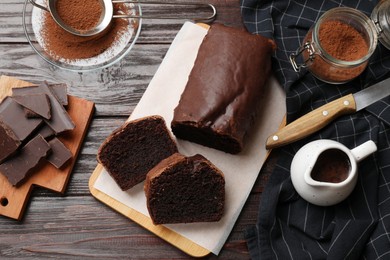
(312, 122)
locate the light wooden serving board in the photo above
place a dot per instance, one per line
(13, 200)
(176, 239)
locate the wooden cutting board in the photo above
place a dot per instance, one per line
(13, 200)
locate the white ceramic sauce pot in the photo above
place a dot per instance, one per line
(324, 172)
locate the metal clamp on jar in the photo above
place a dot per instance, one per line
(337, 48)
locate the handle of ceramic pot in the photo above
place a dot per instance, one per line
(364, 150)
(312, 122)
(38, 5)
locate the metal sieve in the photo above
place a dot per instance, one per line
(108, 14)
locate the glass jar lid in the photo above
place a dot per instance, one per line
(381, 17)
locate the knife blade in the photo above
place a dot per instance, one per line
(322, 116)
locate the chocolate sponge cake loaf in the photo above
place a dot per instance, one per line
(224, 89)
(185, 189)
(135, 148)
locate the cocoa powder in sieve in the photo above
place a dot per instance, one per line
(80, 15)
(60, 44)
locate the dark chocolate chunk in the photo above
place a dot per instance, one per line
(30, 114)
(45, 131)
(12, 114)
(60, 91)
(60, 154)
(37, 103)
(9, 143)
(18, 167)
(60, 120)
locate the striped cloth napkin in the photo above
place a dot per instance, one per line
(288, 227)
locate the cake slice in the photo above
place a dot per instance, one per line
(185, 189)
(135, 148)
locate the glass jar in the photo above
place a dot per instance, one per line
(342, 57)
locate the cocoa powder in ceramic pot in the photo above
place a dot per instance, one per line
(60, 44)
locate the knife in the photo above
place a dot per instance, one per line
(322, 116)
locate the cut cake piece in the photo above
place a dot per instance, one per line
(135, 148)
(184, 190)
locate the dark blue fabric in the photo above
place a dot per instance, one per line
(288, 227)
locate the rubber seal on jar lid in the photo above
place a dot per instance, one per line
(381, 17)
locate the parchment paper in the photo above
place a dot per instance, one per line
(241, 171)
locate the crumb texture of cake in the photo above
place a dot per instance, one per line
(225, 89)
(185, 190)
(135, 148)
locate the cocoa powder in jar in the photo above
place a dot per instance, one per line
(342, 42)
(62, 45)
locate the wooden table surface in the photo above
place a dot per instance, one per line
(76, 225)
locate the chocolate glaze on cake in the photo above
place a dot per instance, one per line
(185, 189)
(225, 87)
(135, 148)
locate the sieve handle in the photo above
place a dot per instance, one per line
(38, 5)
(208, 18)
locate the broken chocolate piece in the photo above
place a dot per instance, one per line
(30, 114)
(60, 154)
(60, 91)
(17, 168)
(37, 103)
(45, 131)
(12, 114)
(60, 120)
(9, 143)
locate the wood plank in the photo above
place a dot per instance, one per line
(83, 228)
(114, 90)
(153, 30)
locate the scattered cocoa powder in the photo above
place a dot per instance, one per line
(80, 15)
(60, 44)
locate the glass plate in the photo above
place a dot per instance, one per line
(32, 25)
